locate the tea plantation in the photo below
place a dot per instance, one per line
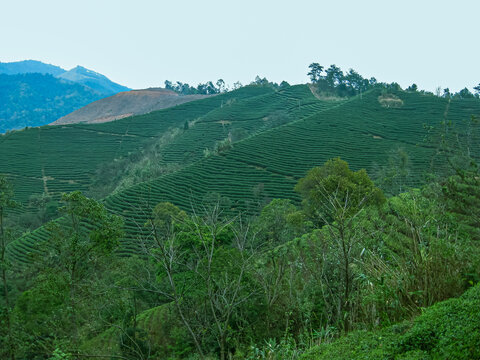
(284, 133)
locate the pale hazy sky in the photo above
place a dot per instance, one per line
(141, 43)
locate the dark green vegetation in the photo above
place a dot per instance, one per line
(447, 330)
(238, 246)
(33, 93)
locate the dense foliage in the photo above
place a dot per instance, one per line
(448, 330)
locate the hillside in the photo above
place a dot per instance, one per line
(82, 149)
(287, 133)
(124, 104)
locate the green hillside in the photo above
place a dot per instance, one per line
(62, 158)
(287, 133)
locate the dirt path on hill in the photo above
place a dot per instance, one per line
(45, 179)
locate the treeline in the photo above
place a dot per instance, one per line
(209, 88)
(334, 81)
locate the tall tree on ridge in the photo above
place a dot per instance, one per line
(315, 72)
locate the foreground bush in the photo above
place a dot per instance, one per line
(447, 330)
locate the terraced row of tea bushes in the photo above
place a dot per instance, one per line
(56, 159)
(61, 158)
(242, 119)
(361, 131)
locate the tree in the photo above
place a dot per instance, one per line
(223, 270)
(278, 222)
(336, 179)
(393, 176)
(412, 88)
(260, 81)
(477, 90)
(221, 86)
(464, 94)
(168, 252)
(77, 251)
(355, 82)
(169, 85)
(203, 265)
(315, 72)
(334, 76)
(6, 203)
(334, 196)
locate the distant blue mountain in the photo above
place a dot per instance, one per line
(80, 75)
(35, 99)
(33, 93)
(30, 66)
(92, 79)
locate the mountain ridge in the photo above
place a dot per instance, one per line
(29, 66)
(33, 93)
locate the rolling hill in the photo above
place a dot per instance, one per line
(285, 133)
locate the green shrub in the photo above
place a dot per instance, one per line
(447, 330)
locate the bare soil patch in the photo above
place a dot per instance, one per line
(390, 101)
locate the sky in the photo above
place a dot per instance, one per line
(142, 43)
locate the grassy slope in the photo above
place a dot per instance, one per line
(359, 130)
(447, 330)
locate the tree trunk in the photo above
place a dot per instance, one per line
(222, 347)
